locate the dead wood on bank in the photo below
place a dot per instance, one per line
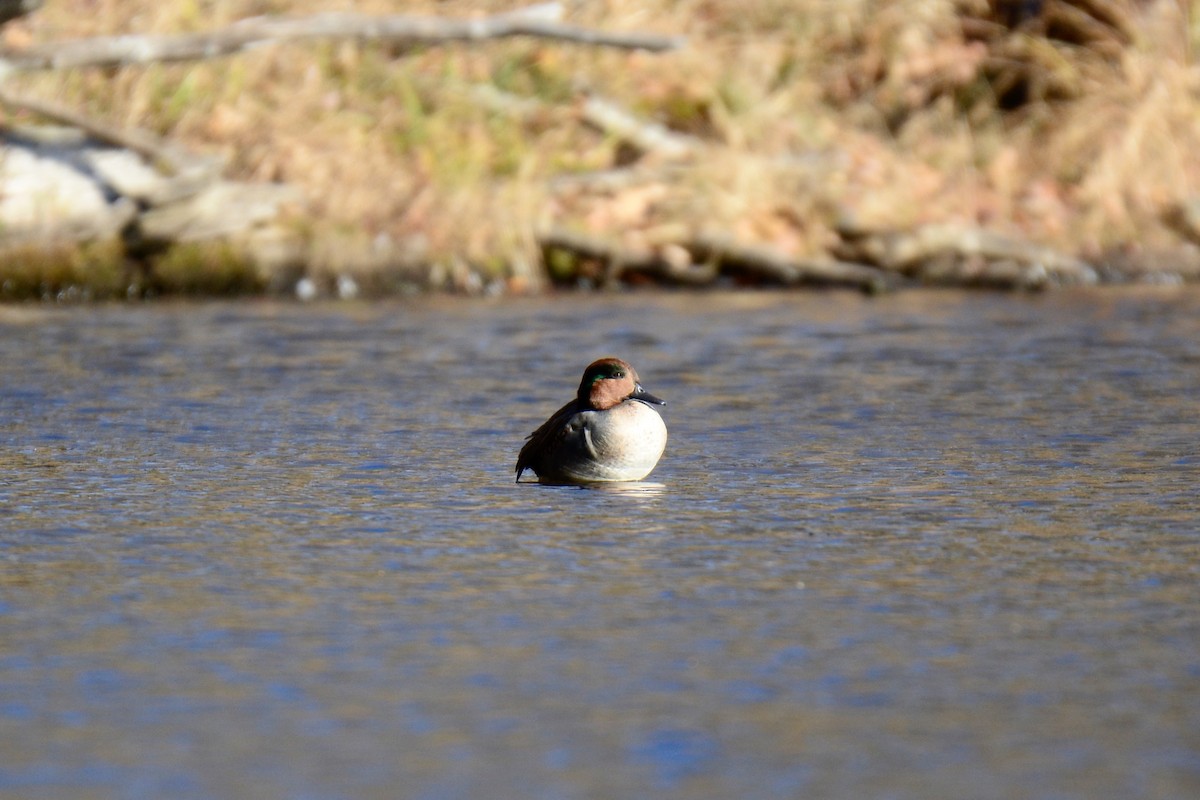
(648, 137)
(169, 158)
(538, 21)
(707, 259)
(871, 261)
(644, 136)
(960, 255)
(774, 265)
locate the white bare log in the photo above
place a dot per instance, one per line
(540, 21)
(170, 158)
(962, 254)
(646, 136)
(706, 257)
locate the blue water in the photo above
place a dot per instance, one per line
(929, 545)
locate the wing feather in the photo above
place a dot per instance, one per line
(545, 440)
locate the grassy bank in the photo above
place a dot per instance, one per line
(1076, 128)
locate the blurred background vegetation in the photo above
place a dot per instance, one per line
(1073, 123)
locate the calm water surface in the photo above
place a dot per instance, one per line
(931, 545)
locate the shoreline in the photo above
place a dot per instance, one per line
(76, 298)
(950, 143)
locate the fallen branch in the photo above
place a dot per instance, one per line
(704, 259)
(647, 137)
(669, 264)
(166, 157)
(504, 102)
(962, 255)
(111, 51)
(776, 266)
(604, 115)
(614, 180)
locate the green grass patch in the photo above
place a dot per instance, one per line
(96, 270)
(204, 268)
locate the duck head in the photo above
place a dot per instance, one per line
(609, 382)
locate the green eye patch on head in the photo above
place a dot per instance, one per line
(605, 371)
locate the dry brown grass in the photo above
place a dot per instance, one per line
(813, 109)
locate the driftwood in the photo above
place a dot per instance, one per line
(647, 137)
(665, 263)
(962, 256)
(47, 200)
(706, 258)
(604, 115)
(777, 266)
(223, 209)
(1170, 266)
(613, 180)
(171, 159)
(401, 30)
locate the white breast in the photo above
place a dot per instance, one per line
(626, 441)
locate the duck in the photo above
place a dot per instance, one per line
(609, 432)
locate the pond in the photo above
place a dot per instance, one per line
(924, 545)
